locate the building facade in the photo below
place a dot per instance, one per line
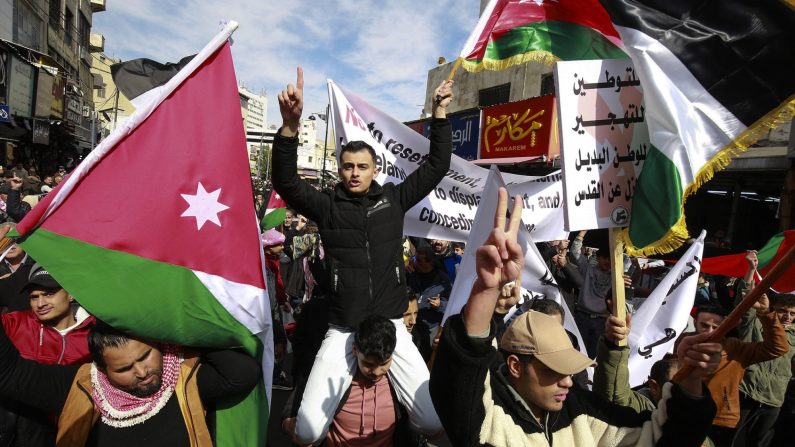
(112, 108)
(46, 107)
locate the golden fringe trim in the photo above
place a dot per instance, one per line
(544, 57)
(677, 234)
(790, 3)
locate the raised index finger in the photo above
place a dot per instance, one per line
(299, 82)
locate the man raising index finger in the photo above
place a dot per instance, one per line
(361, 225)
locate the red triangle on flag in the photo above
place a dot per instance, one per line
(177, 189)
(275, 201)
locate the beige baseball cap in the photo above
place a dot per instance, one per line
(544, 337)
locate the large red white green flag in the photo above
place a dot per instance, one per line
(155, 232)
(717, 76)
(512, 32)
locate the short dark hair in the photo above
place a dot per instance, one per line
(712, 309)
(410, 295)
(661, 369)
(102, 336)
(356, 146)
(376, 337)
(548, 306)
(782, 299)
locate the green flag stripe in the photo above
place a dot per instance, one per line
(159, 301)
(273, 219)
(565, 40)
(768, 252)
(657, 203)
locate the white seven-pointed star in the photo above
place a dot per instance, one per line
(204, 206)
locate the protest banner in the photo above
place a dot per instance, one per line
(449, 211)
(604, 140)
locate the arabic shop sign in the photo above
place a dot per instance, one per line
(519, 129)
(466, 131)
(466, 128)
(604, 140)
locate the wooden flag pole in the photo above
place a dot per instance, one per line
(450, 76)
(619, 309)
(455, 67)
(734, 317)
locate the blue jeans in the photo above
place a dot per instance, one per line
(591, 328)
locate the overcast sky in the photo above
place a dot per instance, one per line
(380, 49)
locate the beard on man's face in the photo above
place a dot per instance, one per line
(146, 390)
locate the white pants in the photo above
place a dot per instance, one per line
(333, 372)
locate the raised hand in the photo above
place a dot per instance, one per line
(753, 264)
(443, 97)
(497, 262)
(617, 330)
(699, 355)
(291, 105)
(500, 259)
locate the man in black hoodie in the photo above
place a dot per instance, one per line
(361, 226)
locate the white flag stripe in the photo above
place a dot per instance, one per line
(686, 115)
(663, 316)
(472, 40)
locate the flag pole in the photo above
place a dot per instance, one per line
(619, 309)
(734, 317)
(455, 67)
(450, 75)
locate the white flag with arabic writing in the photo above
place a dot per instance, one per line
(663, 316)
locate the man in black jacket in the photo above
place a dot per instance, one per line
(361, 226)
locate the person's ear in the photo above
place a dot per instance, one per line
(514, 366)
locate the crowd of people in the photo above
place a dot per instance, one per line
(361, 306)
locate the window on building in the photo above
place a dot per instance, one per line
(55, 13)
(68, 26)
(85, 32)
(547, 85)
(101, 92)
(499, 94)
(310, 159)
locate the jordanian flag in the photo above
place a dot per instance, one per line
(512, 32)
(736, 266)
(275, 212)
(174, 255)
(716, 76)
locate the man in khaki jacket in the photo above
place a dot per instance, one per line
(135, 392)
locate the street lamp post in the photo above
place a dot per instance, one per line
(323, 117)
